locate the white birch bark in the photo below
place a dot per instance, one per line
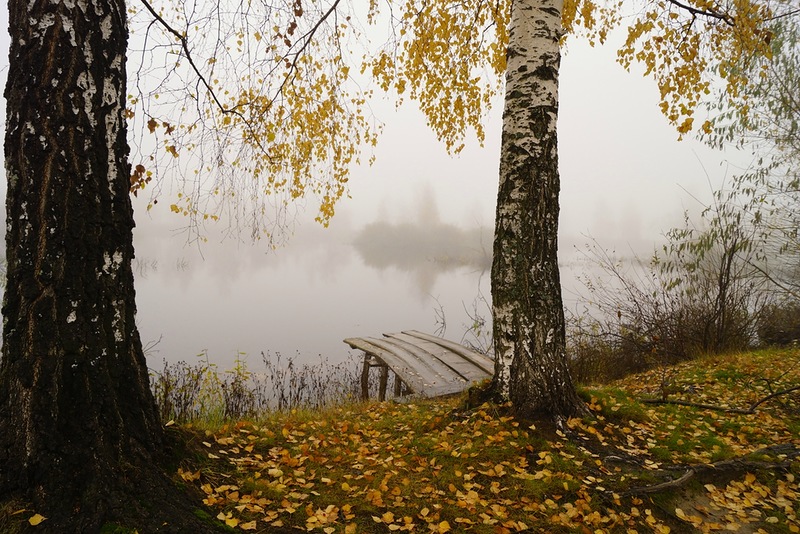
(530, 365)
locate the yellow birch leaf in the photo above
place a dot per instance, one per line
(250, 525)
(36, 519)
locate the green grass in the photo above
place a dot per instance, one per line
(434, 466)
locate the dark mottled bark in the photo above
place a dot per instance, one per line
(79, 432)
(531, 365)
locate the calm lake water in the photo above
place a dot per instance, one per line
(325, 285)
(303, 299)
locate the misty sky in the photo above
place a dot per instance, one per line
(625, 180)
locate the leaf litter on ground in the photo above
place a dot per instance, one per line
(435, 466)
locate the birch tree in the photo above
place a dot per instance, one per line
(80, 440)
(529, 339)
(684, 46)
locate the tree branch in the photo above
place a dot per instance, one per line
(699, 405)
(185, 47)
(785, 451)
(184, 44)
(773, 395)
(724, 17)
(746, 411)
(790, 13)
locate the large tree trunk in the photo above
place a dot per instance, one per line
(79, 431)
(531, 368)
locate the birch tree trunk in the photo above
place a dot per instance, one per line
(79, 431)
(530, 366)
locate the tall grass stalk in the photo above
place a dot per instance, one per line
(201, 392)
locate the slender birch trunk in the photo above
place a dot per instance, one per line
(530, 367)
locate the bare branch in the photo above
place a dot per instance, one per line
(785, 452)
(697, 405)
(747, 411)
(185, 47)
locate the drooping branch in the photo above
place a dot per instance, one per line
(185, 47)
(305, 40)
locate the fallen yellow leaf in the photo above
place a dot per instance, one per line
(35, 519)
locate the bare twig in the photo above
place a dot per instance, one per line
(671, 484)
(697, 405)
(185, 47)
(771, 396)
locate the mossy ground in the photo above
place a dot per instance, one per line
(433, 466)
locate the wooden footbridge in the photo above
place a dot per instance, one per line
(423, 365)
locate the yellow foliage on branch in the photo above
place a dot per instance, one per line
(685, 45)
(278, 106)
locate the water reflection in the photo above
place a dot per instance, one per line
(304, 299)
(425, 251)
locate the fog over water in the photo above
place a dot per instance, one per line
(325, 285)
(416, 234)
(305, 298)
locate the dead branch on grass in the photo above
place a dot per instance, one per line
(746, 411)
(784, 452)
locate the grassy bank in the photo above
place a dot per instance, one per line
(437, 466)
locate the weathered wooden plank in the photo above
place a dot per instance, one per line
(480, 360)
(406, 373)
(428, 366)
(432, 371)
(456, 362)
(448, 389)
